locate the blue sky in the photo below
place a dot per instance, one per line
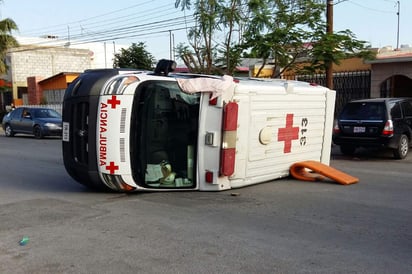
(156, 21)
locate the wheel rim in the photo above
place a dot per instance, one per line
(404, 146)
(8, 130)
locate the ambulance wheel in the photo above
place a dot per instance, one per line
(347, 149)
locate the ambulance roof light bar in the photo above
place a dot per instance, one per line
(164, 66)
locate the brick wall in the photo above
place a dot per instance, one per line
(34, 91)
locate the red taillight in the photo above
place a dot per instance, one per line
(227, 165)
(388, 129)
(336, 129)
(230, 116)
(209, 177)
(227, 157)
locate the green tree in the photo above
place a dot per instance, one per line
(7, 41)
(214, 19)
(281, 30)
(276, 31)
(332, 48)
(199, 59)
(185, 4)
(136, 56)
(232, 18)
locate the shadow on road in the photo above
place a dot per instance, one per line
(363, 154)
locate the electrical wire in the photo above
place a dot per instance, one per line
(139, 13)
(368, 8)
(112, 26)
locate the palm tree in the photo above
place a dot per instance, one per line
(185, 4)
(7, 41)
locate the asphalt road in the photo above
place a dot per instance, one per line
(285, 226)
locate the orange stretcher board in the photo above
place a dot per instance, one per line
(300, 171)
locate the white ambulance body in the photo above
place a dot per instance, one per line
(132, 131)
(279, 123)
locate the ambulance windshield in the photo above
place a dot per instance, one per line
(164, 130)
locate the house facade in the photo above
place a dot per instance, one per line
(29, 63)
(38, 59)
(392, 73)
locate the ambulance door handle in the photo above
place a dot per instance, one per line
(210, 139)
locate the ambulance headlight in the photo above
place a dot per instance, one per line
(117, 183)
(119, 84)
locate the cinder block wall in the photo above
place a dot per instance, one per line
(31, 61)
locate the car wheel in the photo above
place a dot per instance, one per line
(347, 149)
(37, 132)
(403, 148)
(9, 131)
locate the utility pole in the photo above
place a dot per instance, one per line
(329, 30)
(105, 57)
(68, 36)
(170, 45)
(398, 13)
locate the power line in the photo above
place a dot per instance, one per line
(368, 8)
(54, 43)
(339, 1)
(147, 22)
(142, 14)
(108, 26)
(136, 28)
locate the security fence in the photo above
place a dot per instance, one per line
(56, 107)
(53, 99)
(348, 85)
(54, 96)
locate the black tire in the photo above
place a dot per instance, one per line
(9, 131)
(347, 149)
(403, 148)
(37, 132)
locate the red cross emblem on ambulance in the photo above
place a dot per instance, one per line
(112, 167)
(113, 101)
(288, 134)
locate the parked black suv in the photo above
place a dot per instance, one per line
(380, 122)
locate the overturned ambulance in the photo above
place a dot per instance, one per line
(126, 130)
